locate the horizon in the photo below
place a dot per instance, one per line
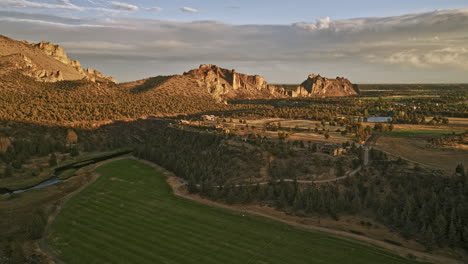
(422, 42)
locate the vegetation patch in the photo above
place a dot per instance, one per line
(66, 174)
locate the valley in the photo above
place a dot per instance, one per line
(318, 172)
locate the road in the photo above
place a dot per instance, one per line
(352, 173)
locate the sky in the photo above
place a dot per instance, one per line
(418, 41)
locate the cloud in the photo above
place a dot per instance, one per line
(154, 9)
(321, 23)
(123, 6)
(449, 56)
(428, 45)
(96, 45)
(189, 9)
(31, 4)
(170, 44)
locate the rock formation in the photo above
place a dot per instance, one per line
(315, 85)
(43, 61)
(225, 84)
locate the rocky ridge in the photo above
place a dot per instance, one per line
(316, 85)
(224, 84)
(43, 61)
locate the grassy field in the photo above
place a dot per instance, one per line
(129, 215)
(415, 132)
(414, 149)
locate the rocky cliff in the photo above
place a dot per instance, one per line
(43, 61)
(315, 85)
(225, 84)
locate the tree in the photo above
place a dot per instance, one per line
(441, 228)
(460, 169)
(8, 171)
(453, 235)
(339, 168)
(72, 137)
(429, 237)
(53, 160)
(74, 152)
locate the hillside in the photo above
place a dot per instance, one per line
(223, 84)
(39, 83)
(316, 85)
(43, 61)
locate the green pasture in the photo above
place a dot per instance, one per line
(130, 215)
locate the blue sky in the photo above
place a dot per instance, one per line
(245, 11)
(367, 41)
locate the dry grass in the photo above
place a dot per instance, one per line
(414, 149)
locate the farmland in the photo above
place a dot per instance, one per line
(129, 215)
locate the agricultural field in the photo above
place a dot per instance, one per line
(130, 215)
(415, 149)
(296, 129)
(412, 142)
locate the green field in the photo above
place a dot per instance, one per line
(129, 215)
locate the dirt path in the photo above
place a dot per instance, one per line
(349, 174)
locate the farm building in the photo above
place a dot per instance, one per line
(333, 150)
(209, 118)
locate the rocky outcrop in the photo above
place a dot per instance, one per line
(27, 67)
(44, 61)
(225, 84)
(315, 85)
(58, 53)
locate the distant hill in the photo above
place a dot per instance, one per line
(223, 84)
(43, 61)
(316, 85)
(39, 83)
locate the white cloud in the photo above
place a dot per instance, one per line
(154, 9)
(449, 56)
(96, 45)
(321, 23)
(124, 6)
(166, 44)
(189, 9)
(32, 4)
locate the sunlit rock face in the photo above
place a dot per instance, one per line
(44, 61)
(315, 85)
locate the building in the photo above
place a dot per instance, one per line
(209, 118)
(333, 150)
